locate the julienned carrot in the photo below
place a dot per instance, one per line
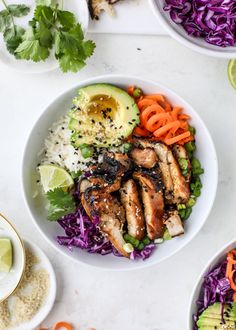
(160, 121)
(63, 326)
(177, 138)
(161, 131)
(231, 280)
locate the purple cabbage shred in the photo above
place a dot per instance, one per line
(81, 232)
(212, 20)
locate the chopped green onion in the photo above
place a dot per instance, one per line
(146, 241)
(86, 151)
(181, 207)
(158, 240)
(140, 246)
(192, 130)
(183, 163)
(127, 147)
(130, 239)
(167, 235)
(190, 147)
(187, 213)
(191, 202)
(128, 247)
(137, 93)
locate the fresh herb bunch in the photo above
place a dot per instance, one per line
(51, 29)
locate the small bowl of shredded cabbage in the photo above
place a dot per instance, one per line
(206, 26)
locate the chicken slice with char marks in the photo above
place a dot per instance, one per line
(111, 216)
(146, 158)
(174, 224)
(176, 188)
(133, 209)
(153, 202)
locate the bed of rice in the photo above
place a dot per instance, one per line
(57, 149)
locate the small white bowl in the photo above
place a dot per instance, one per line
(10, 281)
(79, 8)
(48, 304)
(218, 257)
(206, 153)
(178, 33)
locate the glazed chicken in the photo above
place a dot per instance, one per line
(176, 187)
(137, 192)
(153, 201)
(133, 209)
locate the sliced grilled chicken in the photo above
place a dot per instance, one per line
(123, 159)
(176, 187)
(111, 215)
(180, 152)
(174, 224)
(133, 209)
(153, 202)
(146, 158)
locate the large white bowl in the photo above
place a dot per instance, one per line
(219, 257)
(206, 153)
(178, 33)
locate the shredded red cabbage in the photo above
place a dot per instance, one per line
(215, 288)
(213, 20)
(81, 232)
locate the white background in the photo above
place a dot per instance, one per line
(150, 299)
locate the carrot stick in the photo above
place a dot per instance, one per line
(63, 325)
(177, 138)
(140, 131)
(130, 90)
(145, 102)
(152, 124)
(231, 280)
(156, 97)
(159, 132)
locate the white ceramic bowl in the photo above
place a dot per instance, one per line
(206, 153)
(10, 281)
(219, 257)
(178, 33)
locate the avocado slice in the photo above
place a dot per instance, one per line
(211, 317)
(103, 115)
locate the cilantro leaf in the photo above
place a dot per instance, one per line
(66, 19)
(18, 10)
(44, 35)
(32, 50)
(60, 203)
(45, 15)
(13, 37)
(88, 47)
(5, 20)
(69, 62)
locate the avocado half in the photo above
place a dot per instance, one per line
(103, 115)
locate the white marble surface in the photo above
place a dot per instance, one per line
(155, 298)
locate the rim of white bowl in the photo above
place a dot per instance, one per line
(186, 42)
(96, 80)
(200, 277)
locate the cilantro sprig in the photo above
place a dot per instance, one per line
(12, 33)
(50, 30)
(60, 203)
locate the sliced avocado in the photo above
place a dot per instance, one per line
(103, 116)
(211, 317)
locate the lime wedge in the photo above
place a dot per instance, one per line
(5, 255)
(54, 177)
(232, 72)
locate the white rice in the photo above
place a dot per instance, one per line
(58, 150)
